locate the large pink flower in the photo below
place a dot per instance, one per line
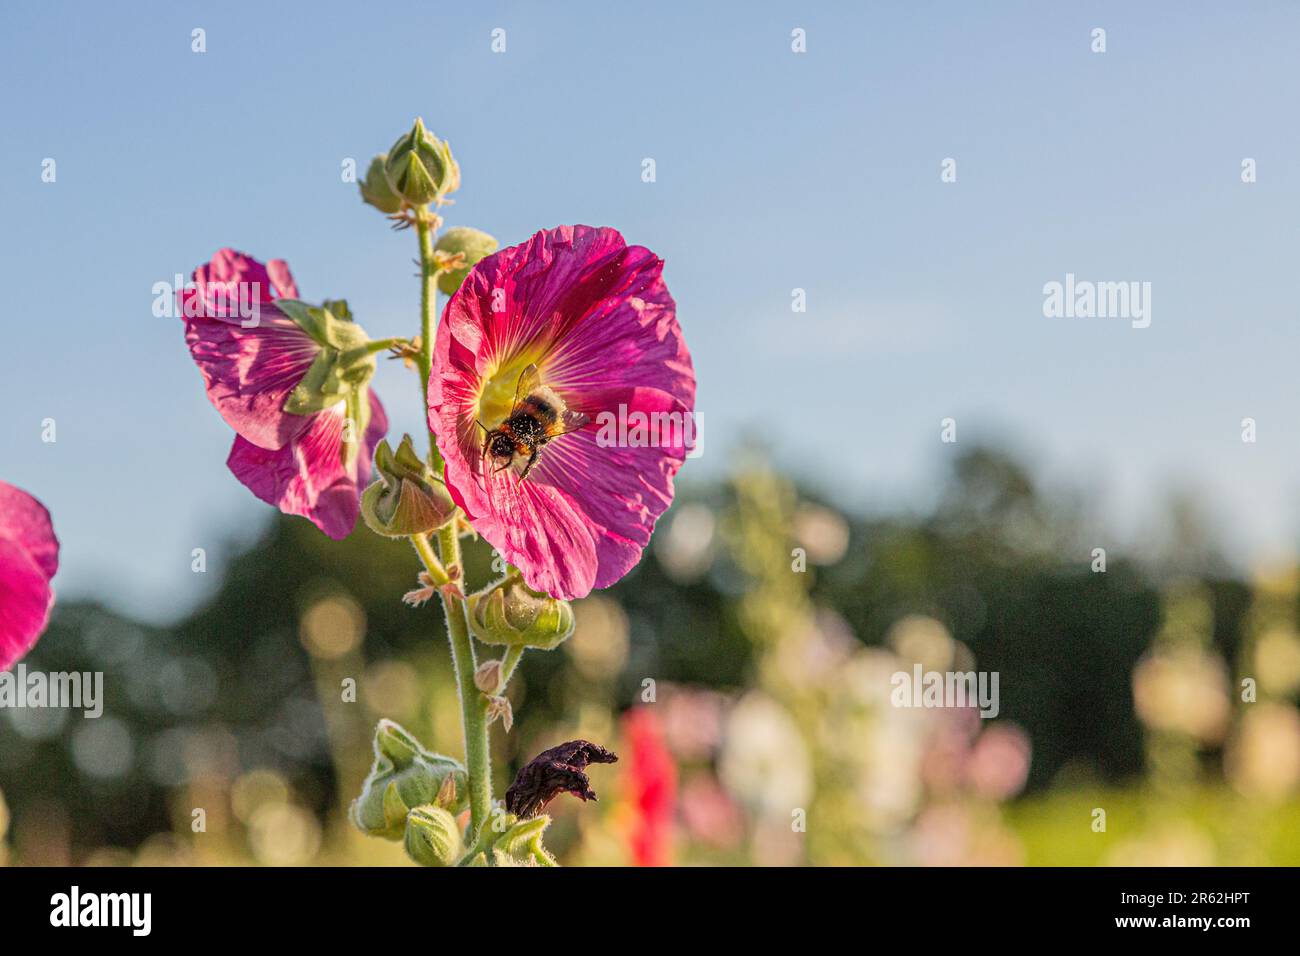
(594, 316)
(252, 356)
(29, 556)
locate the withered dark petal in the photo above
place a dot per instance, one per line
(552, 772)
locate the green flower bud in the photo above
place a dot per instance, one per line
(462, 240)
(433, 837)
(420, 167)
(406, 497)
(403, 775)
(511, 614)
(376, 190)
(522, 836)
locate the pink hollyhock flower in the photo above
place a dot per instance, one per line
(29, 556)
(253, 356)
(594, 317)
(651, 787)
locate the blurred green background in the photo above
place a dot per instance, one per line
(742, 671)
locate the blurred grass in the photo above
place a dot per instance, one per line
(1144, 827)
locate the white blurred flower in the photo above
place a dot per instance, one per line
(686, 548)
(923, 640)
(822, 533)
(765, 763)
(1263, 758)
(1184, 690)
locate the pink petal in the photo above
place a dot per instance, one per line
(25, 601)
(307, 476)
(25, 521)
(249, 373)
(29, 557)
(231, 278)
(595, 316)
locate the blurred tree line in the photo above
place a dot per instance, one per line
(257, 677)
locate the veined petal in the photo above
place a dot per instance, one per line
(233, 281)
(309, 476)
(249, 373)
(29, 557)
(594, 316)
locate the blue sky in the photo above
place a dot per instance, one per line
(775, 171)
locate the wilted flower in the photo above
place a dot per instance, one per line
(553, 772)
(293, 386)
(594, 317)
(29, 557)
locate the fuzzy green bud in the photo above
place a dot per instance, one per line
(472, 244)
(375, 188)
(420, 167)
(404, 775)
(406, 498)
(433, 836)
(511, 614)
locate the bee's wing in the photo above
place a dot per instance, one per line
(568, 422)
(529, 382)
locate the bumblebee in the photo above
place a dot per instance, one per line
(538, 417)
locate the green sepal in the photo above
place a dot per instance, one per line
(420, 168)
(511, 614)
(325, 327)
(375, 188)
(338, 308)
(433, 837)
(522, 835)
(406, 497)
(404, 775)
(321, 388)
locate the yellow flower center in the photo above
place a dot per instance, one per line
(496, 397)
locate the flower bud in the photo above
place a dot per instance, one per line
(376, 190)
(522, 835)
(406, 498)
(487, 677)
(403, 775)
(470, 243)
(512, 614)
(420, 167)
(433, 837)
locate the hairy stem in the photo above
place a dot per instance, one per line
(430, 559)
(473, 705)
(508, 664)
(425, 228)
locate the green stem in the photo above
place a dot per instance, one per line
(473, 705)
(383, 345)
(425, 228)
(509, 661)
(431, 562)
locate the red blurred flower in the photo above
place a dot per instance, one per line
(651, 788)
